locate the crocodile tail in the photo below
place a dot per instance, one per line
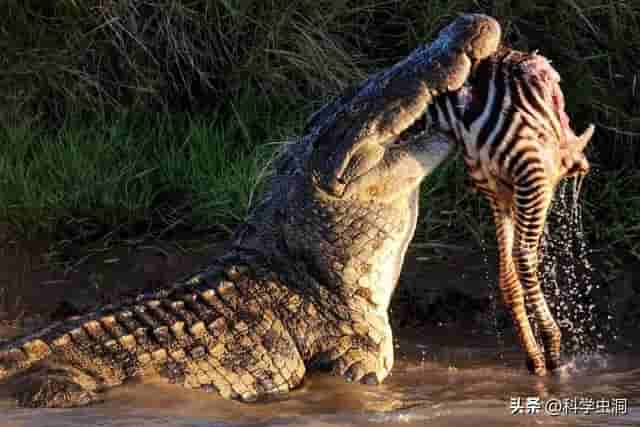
(19, 355)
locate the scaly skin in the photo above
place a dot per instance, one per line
(311, 273)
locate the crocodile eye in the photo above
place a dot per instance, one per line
(418, 127)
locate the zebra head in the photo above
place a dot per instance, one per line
(545, 97)
(515, 96)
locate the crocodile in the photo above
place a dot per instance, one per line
(309, 276)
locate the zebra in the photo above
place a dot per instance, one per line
(517, 146)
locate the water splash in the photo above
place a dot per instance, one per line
(568, 277)
(498, 331)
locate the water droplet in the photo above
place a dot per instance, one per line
(567, 276)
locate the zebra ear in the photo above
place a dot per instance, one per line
(582, 140)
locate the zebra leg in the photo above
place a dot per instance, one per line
(532, 201)
(510, 287)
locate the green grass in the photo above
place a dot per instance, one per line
(612, 210)
(137, 172)
(77, 162)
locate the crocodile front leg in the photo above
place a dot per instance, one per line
(366, 355)
(356, 347)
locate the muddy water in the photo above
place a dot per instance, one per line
(447, 379)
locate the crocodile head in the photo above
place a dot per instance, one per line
(352, 135)
(351, 217)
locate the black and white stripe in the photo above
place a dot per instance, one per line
(502, 126)
(503, 122)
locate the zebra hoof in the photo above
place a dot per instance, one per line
(536, 368)
(564, 371)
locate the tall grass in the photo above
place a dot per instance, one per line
(169, 55)
(136, 172)
(76, 160)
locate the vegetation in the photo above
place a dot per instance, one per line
(227, 78)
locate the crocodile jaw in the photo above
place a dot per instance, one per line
(355, 244)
